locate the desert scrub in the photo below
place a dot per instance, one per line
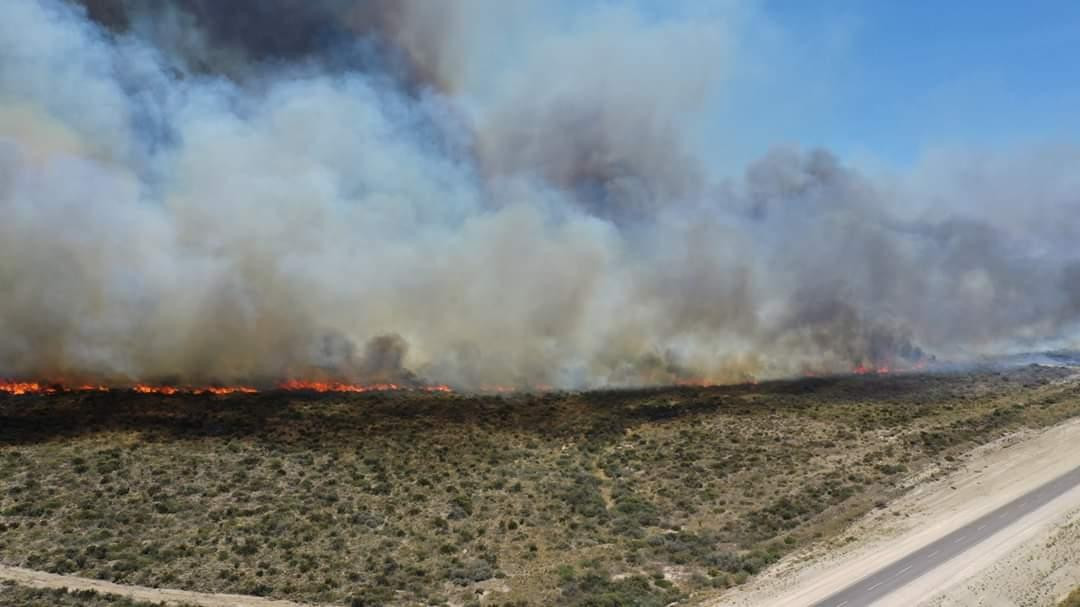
(1073, 600)
(425, 498)
(597, 590)
(12, 595)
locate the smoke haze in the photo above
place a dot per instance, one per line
(473, 193)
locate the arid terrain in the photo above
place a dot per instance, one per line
(12, 595)
(602, 498)
(1032, 562)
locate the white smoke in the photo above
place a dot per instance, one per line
(404, 200)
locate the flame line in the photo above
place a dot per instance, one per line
(19, 388)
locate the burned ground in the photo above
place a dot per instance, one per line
(418, 498)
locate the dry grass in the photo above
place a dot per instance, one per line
(597, 498)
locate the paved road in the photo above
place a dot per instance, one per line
(876, 585)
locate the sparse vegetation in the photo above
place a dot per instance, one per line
(1073, 600)
(12, 595)
(609, 498)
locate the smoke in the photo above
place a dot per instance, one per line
(472, 193)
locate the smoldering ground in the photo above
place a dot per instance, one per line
(476, 194)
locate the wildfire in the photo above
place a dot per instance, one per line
(867, 370)
(295, 385)
(89, 388)
(864, 369)
(18, 388)
(166, 390)
(318, 386)
(171, 390)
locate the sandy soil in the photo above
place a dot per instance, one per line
(987, 478)
(40, 579)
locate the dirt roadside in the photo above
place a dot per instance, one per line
(987, 478)
(40, 579)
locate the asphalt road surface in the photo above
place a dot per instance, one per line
(876, 585)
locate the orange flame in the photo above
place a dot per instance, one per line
(319, 386)
(225, 390)
(18, 388)
(145, 389)
(171, 390)
(90, 388)
(438, 388)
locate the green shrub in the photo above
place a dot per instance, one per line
(593, 590)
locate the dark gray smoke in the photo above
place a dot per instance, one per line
(243, 39)
(471, 193)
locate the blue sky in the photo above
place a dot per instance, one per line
(885, 81)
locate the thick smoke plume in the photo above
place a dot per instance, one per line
(471, 193)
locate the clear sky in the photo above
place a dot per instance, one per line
(884, 80)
